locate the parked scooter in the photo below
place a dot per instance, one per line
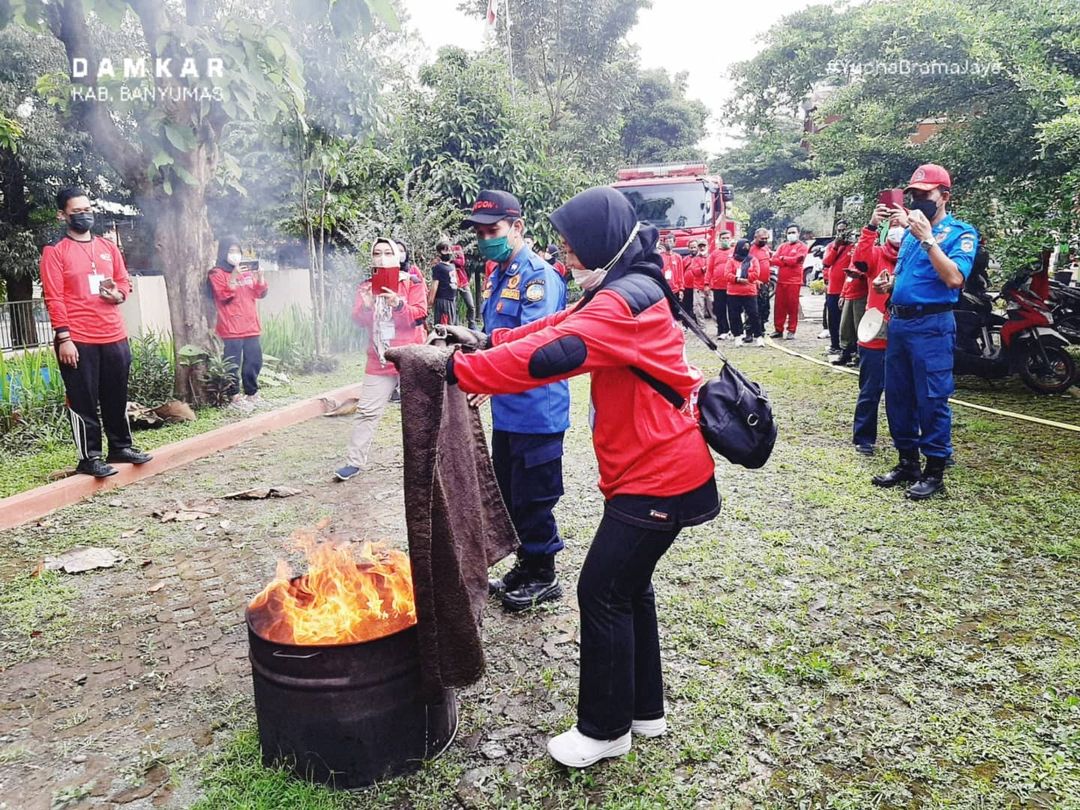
(1023, 341)
(1065, 309)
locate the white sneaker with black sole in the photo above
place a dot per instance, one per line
(574, 750)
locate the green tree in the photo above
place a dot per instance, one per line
(662, 124)
(1006, 130)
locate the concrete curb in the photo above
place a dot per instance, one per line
(36, 503)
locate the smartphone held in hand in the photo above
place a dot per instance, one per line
(892, 197)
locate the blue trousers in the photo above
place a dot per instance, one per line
(528, 468)
(919, 382)
(871, 386)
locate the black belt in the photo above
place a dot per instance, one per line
(917, 310)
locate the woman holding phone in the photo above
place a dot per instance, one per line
(236, 287)
(389, 305)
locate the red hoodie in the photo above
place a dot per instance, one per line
(878, 258)
(644, 446)
(66, 270)
(716, 275)
(789, 257)
(237, 313)
(406, 331)
(757, 273)
(694, 268)
(835, 263)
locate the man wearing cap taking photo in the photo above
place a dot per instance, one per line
(527, 440)
(935, 258)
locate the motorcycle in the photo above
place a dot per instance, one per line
(1023, 341)
(1065, 308)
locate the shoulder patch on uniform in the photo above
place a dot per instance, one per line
(513, 282)
(638, 291)
(535, 292)
(967, 244)
(511, 293)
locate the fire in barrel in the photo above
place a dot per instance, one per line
(336, 668)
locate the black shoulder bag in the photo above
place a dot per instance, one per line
(734, 411)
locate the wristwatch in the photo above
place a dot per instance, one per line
(927, 244)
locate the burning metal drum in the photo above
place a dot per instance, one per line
(336, 667)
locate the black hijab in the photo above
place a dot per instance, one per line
(223, 252)
(596, 224)
(742, 254)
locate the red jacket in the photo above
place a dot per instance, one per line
(406, 331)
(560, 268)
(878, 258)
(716, 274)
(459, 263)
(643, 445)
(835, 263)
(237, 313)
(762, 254)
(694, 268)
(789, 257)
(673, 271)
(66, 270)
(757, 273)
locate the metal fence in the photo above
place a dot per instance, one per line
(24, 324)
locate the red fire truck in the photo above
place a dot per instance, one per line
(680, 199)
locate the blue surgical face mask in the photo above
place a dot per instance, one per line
(495, 250)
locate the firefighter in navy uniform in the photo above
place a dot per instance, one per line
(527, 440)
(935, 258)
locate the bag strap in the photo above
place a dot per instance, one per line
(662, 388)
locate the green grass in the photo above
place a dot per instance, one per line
(21, 472)
(35, 611)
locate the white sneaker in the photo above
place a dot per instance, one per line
(737, 342)
(574, 750)
(759, 341)
(649, 728)
(789, 336)
(725, 336)
(824, 333)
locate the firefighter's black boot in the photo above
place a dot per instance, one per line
(540, 584)
(511, 579)
(932, 481)
(908, 471)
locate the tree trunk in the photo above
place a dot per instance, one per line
(184, 249)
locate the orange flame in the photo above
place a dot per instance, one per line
(351, 593)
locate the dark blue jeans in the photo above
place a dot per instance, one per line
(246, 355)
(871, 386)
(528, 467)
(832, 310)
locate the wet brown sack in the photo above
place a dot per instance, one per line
(457, 523)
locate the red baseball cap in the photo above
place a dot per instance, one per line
(928, 177)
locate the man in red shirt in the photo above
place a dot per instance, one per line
(673, 265)
(835, 263)
(789, 258)
(759, 249)
(694, 267)
(85, 280)
(716, 280)
(853, 297)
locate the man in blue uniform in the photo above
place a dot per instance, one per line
(527, 440)
(934, 260)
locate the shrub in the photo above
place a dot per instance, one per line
(152, 370)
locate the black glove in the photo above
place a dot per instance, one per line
(470, 340)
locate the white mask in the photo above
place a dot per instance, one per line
(896, 235)
(234, 258)
(385, 261)
(793, 237)
(589, 280)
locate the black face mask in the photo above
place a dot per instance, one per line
(761, 242)
(81, 222)
(446, 256)
(928, 208)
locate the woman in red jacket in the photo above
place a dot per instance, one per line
(744, 274)
(391, 318)
(235, 292)
(835, 264)
(656, 472)
(877, 259)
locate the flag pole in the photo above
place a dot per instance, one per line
(509, 50)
